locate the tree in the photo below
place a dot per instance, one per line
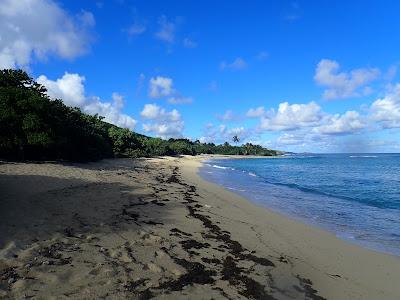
(33, 126)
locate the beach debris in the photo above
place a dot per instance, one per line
(178, 232)
(190, 244)
(9, 275)
(196, 274)
(306, 287)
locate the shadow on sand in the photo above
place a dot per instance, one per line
(34, 208)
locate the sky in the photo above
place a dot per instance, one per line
(302, 76)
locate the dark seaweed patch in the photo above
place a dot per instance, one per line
(190, 244)
(180, 232)
(152, 223)
(307, 288)
(196, 273)
(247, 286)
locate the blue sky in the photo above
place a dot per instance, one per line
(294, 75)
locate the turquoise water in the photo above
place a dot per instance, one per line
(355, 196)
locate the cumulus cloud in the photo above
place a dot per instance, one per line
(291, 117)
(349, 122)
(309, 120)
(34, 29)
(155, 112)
(386, 110)
(236, 65)
(343, 84)
(255, 112)
(70, 88)
(162, 123)
(167, 30)
(160, 87)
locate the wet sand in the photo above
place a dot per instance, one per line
(152, 228)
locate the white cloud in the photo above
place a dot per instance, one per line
(343, 84)
(290, 139)
(291, 117)
(238, 64)
(34, 29)
(160, 87)
(162, 123)
(155, 112)
(386, 110)
(255, 112)
(310, 120)
(167, 30)
(188, 43)
(70, 88)
(349, 122)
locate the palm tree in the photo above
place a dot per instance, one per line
(236, 139)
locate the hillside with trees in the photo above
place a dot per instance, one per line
(35, 127)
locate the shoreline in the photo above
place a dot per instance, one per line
(153, 228)
(317, 249)
(326, 228)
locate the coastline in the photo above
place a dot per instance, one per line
(234, 177)
(153, 228)
(319, 254)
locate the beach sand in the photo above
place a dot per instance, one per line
(152, 228)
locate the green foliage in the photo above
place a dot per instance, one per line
(123, 141)
(35, 127)
(32, 126)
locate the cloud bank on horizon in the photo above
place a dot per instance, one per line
(209, 83)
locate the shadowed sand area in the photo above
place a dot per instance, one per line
(152, 228)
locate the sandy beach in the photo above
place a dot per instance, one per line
(152, 228)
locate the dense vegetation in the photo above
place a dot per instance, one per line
(35, 127)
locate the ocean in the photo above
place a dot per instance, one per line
(355, 196)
